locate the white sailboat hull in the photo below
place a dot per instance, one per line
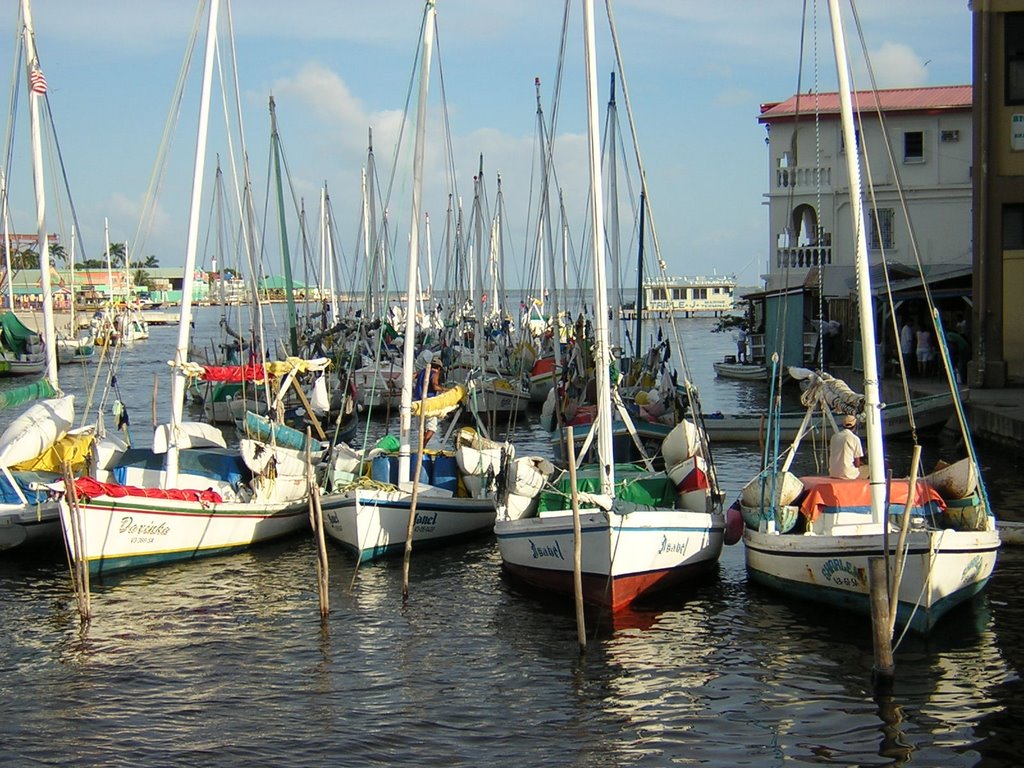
(28, 524)
(624, 556)
(123, 533)
(372, 522)
(498, 397)
(943, 568)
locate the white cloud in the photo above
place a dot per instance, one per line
(895, 65)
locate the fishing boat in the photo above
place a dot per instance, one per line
(636, 538)
(373, 517)
(22, 351)
(935, 564)
(929, 411)
(195, 502)
(729, 368)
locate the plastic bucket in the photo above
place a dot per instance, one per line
(446, 473)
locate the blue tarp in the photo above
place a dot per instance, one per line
(216, 463)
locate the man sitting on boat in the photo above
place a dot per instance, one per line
(845, 452)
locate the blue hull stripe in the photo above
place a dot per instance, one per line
(924, 619)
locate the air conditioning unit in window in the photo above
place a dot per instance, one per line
(949, 136)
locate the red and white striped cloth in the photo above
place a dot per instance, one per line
(37, 81)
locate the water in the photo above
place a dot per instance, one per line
(224, 661)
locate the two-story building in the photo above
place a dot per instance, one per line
(918, 155)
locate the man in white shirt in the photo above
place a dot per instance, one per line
(845, 452)
(907, 337)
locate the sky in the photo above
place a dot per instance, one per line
(696, 74)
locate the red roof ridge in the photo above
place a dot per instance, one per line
(906, 99)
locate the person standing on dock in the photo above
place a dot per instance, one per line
(907, 345)
(741, 344)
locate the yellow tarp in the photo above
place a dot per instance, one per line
(284, 367)
(70, 449)
(442, 404)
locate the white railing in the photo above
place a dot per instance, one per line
(810, 178)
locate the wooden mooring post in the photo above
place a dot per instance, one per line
(78, 564)
(577, 543)
(316, 522)
(884, 669)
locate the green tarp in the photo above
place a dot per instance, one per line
(15, 334)
(38, 390)
(651, 489)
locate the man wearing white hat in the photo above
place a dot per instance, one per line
(845, 452)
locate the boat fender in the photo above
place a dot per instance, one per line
(733, 524)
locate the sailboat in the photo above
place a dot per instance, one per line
(814, 535)
(26, 511)
(372, 519)
(637, 537)
(189, 496)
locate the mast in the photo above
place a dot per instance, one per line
(602, 350)
(332, 282)
(275, 140)
(638, 321)
(409, 350)
(612, 214)
(477, 281)
(110, 269)
(185, 321)
(378, 244)
(430, 262)
(872, 406)
(547, 236)
(7, 245)
(36, 91)
(74, 326)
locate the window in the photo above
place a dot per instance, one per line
(880, 228)
(842, 139)
(1013, 227)
(1013, 44)
(913, 147)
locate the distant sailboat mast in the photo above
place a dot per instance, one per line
(286, 258)
(7, 245)
(612, 213)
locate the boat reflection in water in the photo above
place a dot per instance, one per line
(736, 677)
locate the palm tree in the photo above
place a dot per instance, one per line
(24, 258)
(57, 252)
(117, 255)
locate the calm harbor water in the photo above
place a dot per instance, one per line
(224, 661)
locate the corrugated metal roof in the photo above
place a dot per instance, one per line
(943, 97)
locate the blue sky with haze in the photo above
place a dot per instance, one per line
(696, 73)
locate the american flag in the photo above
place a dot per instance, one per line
(37, 81)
